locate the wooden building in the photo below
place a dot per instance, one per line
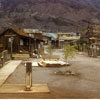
(46, 38)
(52, 38)
(92, 34)
(66, 38)
(37, 42)
(14, 40)
(91, 37)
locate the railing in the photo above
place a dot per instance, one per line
(3, 57)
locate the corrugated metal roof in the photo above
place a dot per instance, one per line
(52, 35)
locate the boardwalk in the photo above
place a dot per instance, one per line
(7, 70)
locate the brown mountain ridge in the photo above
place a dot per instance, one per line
(49, 15)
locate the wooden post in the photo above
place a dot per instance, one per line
(2, 61)
(35, 44)
(30, 48)
(12, 38)
(28, 76)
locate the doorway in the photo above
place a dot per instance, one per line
(10, 44)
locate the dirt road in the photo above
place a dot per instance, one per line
(85, 85)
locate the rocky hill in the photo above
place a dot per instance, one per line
(50, 15)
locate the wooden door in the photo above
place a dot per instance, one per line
(10, 44)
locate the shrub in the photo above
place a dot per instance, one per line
(70, 51)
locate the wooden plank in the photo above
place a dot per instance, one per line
(52, 64)
(20, 88)
(21, 56)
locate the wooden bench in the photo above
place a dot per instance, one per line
(20, 56)
(50, 57)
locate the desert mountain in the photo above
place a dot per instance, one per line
(50, 15)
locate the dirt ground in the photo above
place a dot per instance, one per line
(85, 85)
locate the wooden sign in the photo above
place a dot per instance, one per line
(28, 76)
(10, 35)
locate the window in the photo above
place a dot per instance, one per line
(21, 42)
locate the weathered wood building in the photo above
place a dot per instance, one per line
(18, 41)
(14, 40)
(51, 38)
(37, 41)
(66, 38)
(91, 36)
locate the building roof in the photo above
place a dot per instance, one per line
(70, 38)
(51, 35)
(66, 33)
(20, 32)
(34, 31)
(17, 31)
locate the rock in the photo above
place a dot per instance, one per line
(66, 73)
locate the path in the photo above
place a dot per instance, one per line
(7, 70)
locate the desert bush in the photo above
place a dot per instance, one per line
(69, 51)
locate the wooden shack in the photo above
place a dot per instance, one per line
(92, 33)
(37, 42)
(92, 37)
(14, 40)
(67, 38)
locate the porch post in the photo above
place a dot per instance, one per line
(35, 43)
(12, 38)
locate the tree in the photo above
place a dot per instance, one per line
(70, 51)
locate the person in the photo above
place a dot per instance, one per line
(36, 51)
